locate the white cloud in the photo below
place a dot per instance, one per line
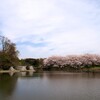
(64, 26)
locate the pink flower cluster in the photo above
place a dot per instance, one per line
(74, 61)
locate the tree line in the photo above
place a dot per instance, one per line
(32, 62)
(73, 61)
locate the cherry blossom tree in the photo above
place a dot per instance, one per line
(73, 61)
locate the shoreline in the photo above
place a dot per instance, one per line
(85, 71)
(15, 71)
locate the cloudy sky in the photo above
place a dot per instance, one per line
(42, 28)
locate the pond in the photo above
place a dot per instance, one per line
(50, 86)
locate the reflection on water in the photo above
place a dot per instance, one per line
(11, 73)
(50, 86)
(23, 73)
(29, 74)
(7, 85)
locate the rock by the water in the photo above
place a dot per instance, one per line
(11, 69)
(23, 68)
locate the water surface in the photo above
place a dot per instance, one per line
(50, 86)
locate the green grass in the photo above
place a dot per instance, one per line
(92, 69)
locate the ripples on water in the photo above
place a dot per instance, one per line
(50, 86)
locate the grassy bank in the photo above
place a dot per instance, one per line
(92, 69)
